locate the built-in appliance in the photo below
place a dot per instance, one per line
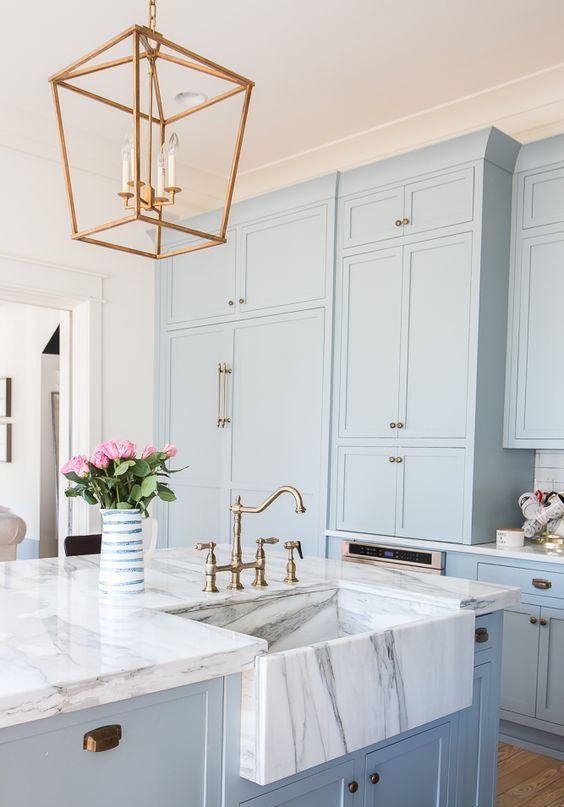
(394, 557)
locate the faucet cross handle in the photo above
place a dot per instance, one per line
(291, 565)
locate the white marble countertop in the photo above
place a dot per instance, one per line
(64, 647)
(531, 551)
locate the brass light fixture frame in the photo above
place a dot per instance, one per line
(147, 47)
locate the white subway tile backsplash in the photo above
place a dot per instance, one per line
(549, 470)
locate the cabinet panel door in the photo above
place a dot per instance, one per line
(325, 789)
(520, 656)
(430, 493)
(543, 198)
(370, 343)
(411, 772)
(192, 402)
(284, 260)
(550, 696)
(478, 741)
(201, 283)
(277, 415)
(440, 201)
(435, 337)
(373, 217)
(366, 490)
(540, 384)
(157, 762)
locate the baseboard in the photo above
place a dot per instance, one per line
(541, 742)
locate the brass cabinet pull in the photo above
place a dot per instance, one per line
(405, 221)
(481, 635)
(544, 622)
(103, 738)
(400, 425)
(398, 222)
(539, 582)
(399, 459)
(219, 383)
(393, 425)
(374, 778)
(391, 459)
(533, 620)
(241, 300)
(224, 418)
(353, 787)
(231, 302)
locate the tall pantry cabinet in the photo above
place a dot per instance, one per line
(422, 272)
(244, 369)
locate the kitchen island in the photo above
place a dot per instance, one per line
(353, 685)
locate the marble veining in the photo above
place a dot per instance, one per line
(64, 647)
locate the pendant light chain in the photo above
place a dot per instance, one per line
(153, 15)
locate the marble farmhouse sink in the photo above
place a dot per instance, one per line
(345, 668)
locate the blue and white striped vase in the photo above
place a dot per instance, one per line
(122, 569)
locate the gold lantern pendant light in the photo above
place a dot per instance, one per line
(142, 200)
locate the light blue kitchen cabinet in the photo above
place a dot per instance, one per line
(448, 381)
(393, 490)
(520, 659)
(533, 415)
(550, 694)
(202, 285)
(328, 788)
(434, 376)
(412, 771)
(372, 321)
(169, 755)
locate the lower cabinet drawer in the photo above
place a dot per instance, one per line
(169, 755)
(530, 581)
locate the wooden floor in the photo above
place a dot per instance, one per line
(525, 779)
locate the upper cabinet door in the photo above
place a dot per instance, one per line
(370, 344)
(435, 337)
(543, 198)
(201, 284)
(540, 383)
(373, 217)
(284, 260)
(440, 201)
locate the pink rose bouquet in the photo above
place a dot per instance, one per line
(114, 477)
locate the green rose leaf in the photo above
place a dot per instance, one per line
(122, 468)
(166, 495)
(123, 506)
(72, 477)
(88, 497)
(149, 485)
(141, 468)
(136, 493)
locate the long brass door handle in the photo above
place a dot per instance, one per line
(219, 383)
(224, 418)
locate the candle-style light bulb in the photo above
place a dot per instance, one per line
(131, 143)
(125, 165)
(161, 171)
(172, 148)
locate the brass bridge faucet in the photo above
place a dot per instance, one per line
(236, 565)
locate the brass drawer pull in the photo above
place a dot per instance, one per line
(544, 622)
(103, 738)
(481, 635)
(539, 582)
(533, 620)
(374, 778)
(353, 787)
(224, 419)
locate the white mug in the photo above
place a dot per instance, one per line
(510, 538)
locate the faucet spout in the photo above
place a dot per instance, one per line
(237, 507)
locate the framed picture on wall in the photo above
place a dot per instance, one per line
(5, 397)
(5, 442)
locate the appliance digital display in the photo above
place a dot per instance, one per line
(388, 553)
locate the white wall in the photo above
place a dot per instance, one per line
(24, 332)
(35, 225)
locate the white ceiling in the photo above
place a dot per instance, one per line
(338, 82)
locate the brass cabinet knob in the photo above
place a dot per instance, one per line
(103, 738)
(241, 300)
(374, 778)
(399, 459)
(391, 459)
(393, 425)
(231, 302)
(353, 787)
(405, 221)
(481, 635)
(544, 622)
(400, 425)
(398, 222)
(540, 582)
(533, 620)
